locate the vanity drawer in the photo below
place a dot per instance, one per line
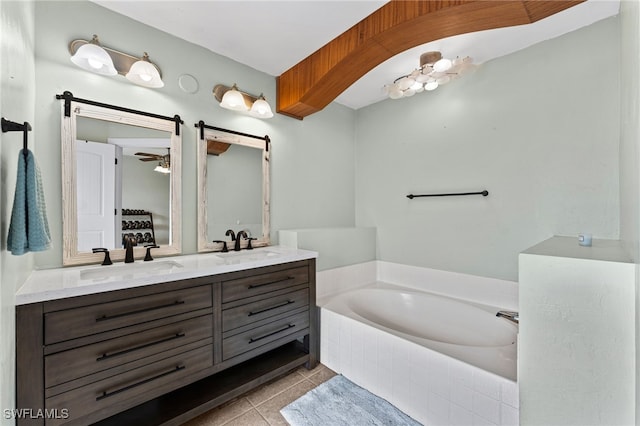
(258, 336)
(86, 360)
(252, 312)
(263, 283)
(73, 323)
(103, 398)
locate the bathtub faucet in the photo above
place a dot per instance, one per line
(510, 315)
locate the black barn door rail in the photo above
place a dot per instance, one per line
(68, 97)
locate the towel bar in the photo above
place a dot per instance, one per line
(483, 193)
(12, 126)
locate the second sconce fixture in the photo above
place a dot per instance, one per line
(235, 100)
(92, 56)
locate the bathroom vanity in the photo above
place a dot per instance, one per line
(164, 341)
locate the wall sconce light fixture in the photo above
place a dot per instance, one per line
(235, 100)
(92, 56)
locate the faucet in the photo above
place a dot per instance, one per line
(148, 257)
(509, 315)
(249, 246)
(224, 245)
(128, 246)
(107, 259)
(230, 232)
(238, 236)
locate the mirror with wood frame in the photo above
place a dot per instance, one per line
(121, 178)
(233, 189)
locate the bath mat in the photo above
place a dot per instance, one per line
(340, 402)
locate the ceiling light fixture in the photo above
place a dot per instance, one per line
(162, 167)
(434, 71)
(92, 56)
(236, 100)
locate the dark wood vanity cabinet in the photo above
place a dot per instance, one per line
(163, 353)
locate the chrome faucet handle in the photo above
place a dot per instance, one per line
(148, 257)
(107, 258)
(224, 245)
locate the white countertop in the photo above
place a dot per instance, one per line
(604, 250)
(58, 283)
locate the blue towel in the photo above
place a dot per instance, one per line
(29, 229)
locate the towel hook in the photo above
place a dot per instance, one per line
(12, 126)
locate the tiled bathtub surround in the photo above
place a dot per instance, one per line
(338, 280)
(431, 387)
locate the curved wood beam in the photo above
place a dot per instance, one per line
(317, 80)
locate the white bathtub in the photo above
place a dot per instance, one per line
(469, 332)
(439, 359)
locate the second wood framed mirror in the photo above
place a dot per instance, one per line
(233, 188)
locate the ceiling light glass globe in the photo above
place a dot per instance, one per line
(395, 93)
(405, 82)
(442, 65)
(431, 85)
(443, 80)
(422, 78)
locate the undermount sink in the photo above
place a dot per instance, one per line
(233, 257)
(123, 270)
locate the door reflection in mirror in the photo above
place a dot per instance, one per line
(111, 177)
(110, 188)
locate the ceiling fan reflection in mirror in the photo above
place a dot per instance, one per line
(164, 161)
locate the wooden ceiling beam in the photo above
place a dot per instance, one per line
(317, 80)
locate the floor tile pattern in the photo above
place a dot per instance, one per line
(261, 406)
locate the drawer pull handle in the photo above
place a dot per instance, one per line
(288, 302)
(271, 282)
(126, 351)
(106, 394)
(255, 339)
(153, 308)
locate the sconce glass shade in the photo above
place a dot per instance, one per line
(94, 58)
(234, 100)
(261, 108)
(144, 73)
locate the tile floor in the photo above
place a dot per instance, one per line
(261, 407)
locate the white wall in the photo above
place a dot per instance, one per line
(629, 151)
(630, 126)
(302, 195)
(539, 129)
(17, 94)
